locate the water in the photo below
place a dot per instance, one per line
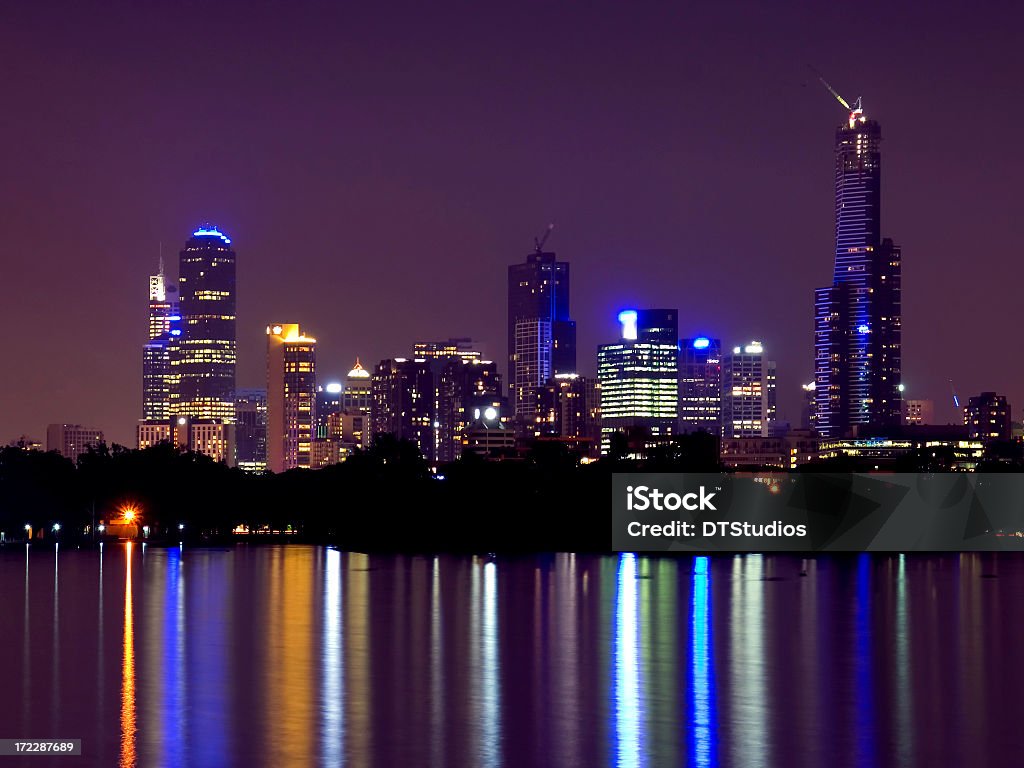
(303, 656)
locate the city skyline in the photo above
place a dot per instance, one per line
(653, 202)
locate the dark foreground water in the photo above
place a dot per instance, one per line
(302, 656)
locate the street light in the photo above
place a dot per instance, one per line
(56, 527)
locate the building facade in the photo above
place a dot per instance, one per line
(987, 417)
(541, 335)
(571, 410)
(403, 402)
(72, 440)
(918, 412)
(700, 385)
(857, 336)
(164, 326)
(204, 362)
(463, 387)
(291, 397)
(639, 376)
(748, 392)
(251, 429)
(357, 392)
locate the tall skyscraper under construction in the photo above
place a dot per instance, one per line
(857, 318)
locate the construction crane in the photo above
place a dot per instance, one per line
(856, 111)
(538, 242)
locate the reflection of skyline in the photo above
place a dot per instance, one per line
(560, 660)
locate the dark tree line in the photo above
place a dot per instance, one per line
(383, 498)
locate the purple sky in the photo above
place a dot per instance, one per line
(378, 166)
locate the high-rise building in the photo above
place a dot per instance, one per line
(251, 429)
(541, 336)
(291, 396)
(204, 365)
(464, 387)
(987, 417)
(357, 394)
(639, 376)
(403, 402)
(700, 385)
(748, 392)
(164, 327)
(571, 409)
(857, 318)
(328, 402)
(71, 440)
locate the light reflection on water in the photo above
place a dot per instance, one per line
(297, 656)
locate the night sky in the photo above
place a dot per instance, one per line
(378, 166)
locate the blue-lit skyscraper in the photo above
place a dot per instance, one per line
(639, 376)
(857, 318)
(541, 336)
(700, 385)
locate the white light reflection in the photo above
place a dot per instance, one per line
(746, 661)
(489, 690)
(436, 669)
(700, 628)
(332, 692)
(628, 714)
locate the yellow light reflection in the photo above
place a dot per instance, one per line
(128, 728)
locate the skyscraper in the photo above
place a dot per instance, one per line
(205, 362)
(357, 394)
(463, 387)
(700, 385)
(748, 392)
(403, 402)
(163, 328)
(857, 318)
(639, 376)
(541, 337)
(291, 396)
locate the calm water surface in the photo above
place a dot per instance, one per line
(304, 656)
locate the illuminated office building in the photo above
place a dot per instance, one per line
(251, 429)
(987, 417)
(570, 409)
(700, 385)
(357, 393)
(463, 389)
(857, 333)
(204, 364)
(918, 412)
(748, 392)
(403, 402)
(72, 440)
(328, 402)
(291, 396)
(639, 376)
(541, 336)
(164, 327)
